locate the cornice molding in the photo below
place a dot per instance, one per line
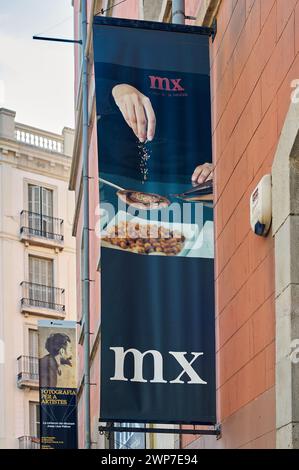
(33, 159)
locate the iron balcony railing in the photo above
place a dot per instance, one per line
(28, 369)
(40, 225)
(38, 295)
(29, 442)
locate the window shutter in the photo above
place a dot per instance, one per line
(40, 207)
(34, 419)
(41, 280)
(34, 207)
(41, 271)
(33, 343)
(47, 211)
(47, 202)
(34, 202)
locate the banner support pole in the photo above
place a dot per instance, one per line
(44, 38)
(178, 11)
(215, 431)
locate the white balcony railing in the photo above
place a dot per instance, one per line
(43, 140)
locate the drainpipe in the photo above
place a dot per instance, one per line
(178, 17)
(86, 282)
(178, 11)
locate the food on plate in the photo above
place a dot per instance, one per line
(145, 238)
(142, 200)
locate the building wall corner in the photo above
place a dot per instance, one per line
(7, 123)
(285, 178)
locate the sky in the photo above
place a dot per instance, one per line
(36, 77)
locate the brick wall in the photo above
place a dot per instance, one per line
(254, 58)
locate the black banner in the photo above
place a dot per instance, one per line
(156, 222)
(57, 380)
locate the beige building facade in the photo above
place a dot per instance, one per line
(37, 264)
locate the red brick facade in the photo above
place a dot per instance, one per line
(254, 58)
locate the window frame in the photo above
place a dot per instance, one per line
(41, 184)
(36, 405)
(121, 439)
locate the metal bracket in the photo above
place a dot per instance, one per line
(214, 29)
(155, 25)
(181, 12)
(216, 431)
(72, 41)
(219, 429)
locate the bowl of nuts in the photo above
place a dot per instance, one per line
(147, 237)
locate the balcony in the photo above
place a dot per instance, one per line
(42, 230)
(28, 372)
(29, 442)
(46, 141)
(41, 300)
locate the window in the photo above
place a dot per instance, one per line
(41, 271)
(129, 440)
(41, 288)
(33, 343)
(40, 207)
(34, 419)
(33, 354)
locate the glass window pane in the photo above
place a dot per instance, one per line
(34, 202)
(41, 271)
(33, 343)
(34, 419)
(129, 440)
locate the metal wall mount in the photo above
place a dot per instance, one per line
(214, 29)
(155, 25)
(211, 431)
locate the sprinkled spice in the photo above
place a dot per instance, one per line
(144, 155)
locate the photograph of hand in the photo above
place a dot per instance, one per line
(137, 111)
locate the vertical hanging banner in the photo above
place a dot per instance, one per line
(57, 384)
(156, 222)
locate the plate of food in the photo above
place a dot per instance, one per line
(148, 237)
(142, 200)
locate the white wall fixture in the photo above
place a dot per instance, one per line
(261, 207)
